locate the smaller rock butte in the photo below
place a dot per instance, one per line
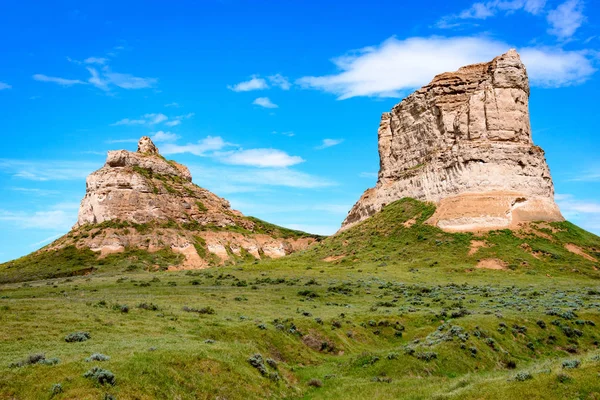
(464, 142)
(144, 188)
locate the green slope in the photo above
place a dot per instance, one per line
(397, 312)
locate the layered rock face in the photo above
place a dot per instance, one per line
(143, 201)
(464, 142)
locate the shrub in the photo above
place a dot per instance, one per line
(33, 359)
(563, 378)
(523, 376)
(427, 355)
(77, 337)
(204, 310)
(56, 389)
(97, 357)
(541, 324)
(571, 364)
(148, 306)
(257, 362)
(272, 363)
(315, 383)
(102, 376)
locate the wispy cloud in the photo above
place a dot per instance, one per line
(4, 86)
(161, 136)
(35, 191)
(60, 81)
(173, 104)
(487, 9)
(178, 119)
(241, 180)
(50, 170)
(396, 66)
(584, 212)
(255, 83)
(263, 158)
(127, 121)
(280, 81)
(368, 175)
(46, 240)
(200, 148)
(566, 19)
(96, 60)
(114, 141)
(59, 217)
(329, 143)
(128, 81)
(264, 102)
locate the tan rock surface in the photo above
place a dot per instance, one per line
(464, 142)
(143, 201)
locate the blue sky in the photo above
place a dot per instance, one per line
(273, 105)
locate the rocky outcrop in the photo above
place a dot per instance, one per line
(143, 201)
(464, 142)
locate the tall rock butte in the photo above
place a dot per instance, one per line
(142, 201)
(464, 142)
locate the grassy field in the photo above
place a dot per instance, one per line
(398, 310)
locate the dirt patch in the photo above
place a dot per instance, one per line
(526, 229)
(410, 222)
(491, 263)
(333, 258)
(318, 343)
(577, 250)
(192, 259)
(476, 245)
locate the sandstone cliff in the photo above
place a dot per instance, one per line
(464, 142)
(141, 201)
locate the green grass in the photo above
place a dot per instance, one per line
(401, 312)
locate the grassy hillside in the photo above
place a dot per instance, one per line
(389, 309)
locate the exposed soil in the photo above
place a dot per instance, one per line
(491, 263)
(577, 250)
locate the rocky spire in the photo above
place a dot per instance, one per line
(146, 146)
(464, 142)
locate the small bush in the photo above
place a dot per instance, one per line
(97, 357)
(315, 383)
(102, 376)
(56, 389)
(204, 310)
(571, 364)
(77, 337)
(257, 362)
(148, 306)
(563, 378)
(33, 359)
(523, 376)
(426, 356)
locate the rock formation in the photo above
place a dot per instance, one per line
(143, 201)
(464, 142)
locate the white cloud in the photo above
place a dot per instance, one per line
(255, 83)
(96, 60)
(146, 119)
(161, 136)
(35, 191)
(122, 141)
(586, 213)
(554, 67)
(128, 81)
(4, 86)
(200, 148)
(263, 158)
(127, 121)
(54, 170)
(96, 80)
(566, 19)
(264, 102)
(59, 217)
(60, 81)
(46, 240)
(280, 81)
(154, 118)
(178, 119)
(396, 66)
(368, 174)
(287, 133)
(483, 10)
(315, 229)
(240, 180)
(329, 143)
(173, 104)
